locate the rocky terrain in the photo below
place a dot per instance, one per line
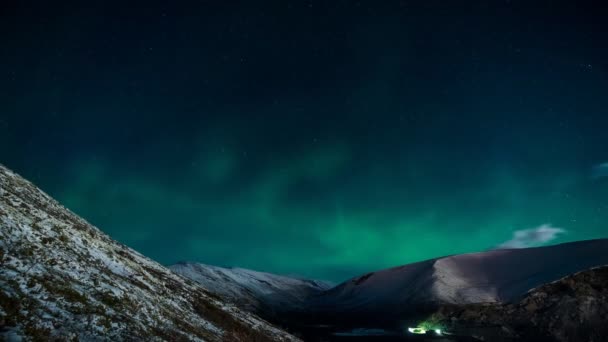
(574, 308)
(63, 279)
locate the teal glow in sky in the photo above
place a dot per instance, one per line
(381, 135)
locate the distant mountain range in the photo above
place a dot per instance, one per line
(63, 279)
(493, 276)
(388, 300)
(252, 290)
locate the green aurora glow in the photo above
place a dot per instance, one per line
(381, 135)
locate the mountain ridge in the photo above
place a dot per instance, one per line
(490, 276)
(62, 278)
(253, 290)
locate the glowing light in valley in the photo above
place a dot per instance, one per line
(417, 330)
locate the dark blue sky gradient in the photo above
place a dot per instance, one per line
(323, 139)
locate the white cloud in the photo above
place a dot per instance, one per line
(599, 171)
(532, 237)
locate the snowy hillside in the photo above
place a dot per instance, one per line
(62, 278)
(255, 291)
(492, 276)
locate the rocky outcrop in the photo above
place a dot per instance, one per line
(574, 308)
(63, 279)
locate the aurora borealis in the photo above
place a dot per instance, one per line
(301, 137)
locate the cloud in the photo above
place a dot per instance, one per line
(532, 237)
(599, 171)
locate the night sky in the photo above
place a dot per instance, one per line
(315, 138)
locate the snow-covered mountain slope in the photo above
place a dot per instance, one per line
(492, 276)
(63, 279)
(256, 291)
